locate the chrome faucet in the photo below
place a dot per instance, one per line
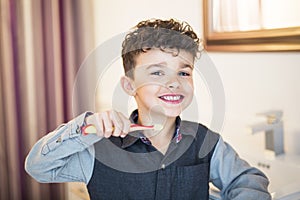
(273, 129)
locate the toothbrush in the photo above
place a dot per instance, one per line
(91, 129)
(137, 127)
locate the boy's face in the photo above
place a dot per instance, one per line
(163, 82)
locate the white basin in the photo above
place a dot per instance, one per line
(283, 172)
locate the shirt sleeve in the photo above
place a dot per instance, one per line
(235, 178)
(63, 155)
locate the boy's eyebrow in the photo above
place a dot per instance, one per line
(161, 64)
(188, 66)
(164, 64)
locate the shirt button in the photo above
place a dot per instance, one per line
(78, 129)
(58, 140)
(163, 166)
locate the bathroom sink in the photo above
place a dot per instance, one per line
(283, 172)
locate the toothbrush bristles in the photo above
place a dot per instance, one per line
(158, 127)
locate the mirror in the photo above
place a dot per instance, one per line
(256, 25)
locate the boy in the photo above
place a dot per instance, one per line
(176, 161)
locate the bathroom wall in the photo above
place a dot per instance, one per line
(253, 82)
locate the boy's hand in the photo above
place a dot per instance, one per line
(109, 123)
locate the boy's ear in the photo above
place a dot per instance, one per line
(128, 85)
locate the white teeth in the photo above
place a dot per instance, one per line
(171, 98)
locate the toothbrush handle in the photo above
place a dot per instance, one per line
(91, 129)
(136, 127)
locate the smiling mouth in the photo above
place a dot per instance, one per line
(173, 99)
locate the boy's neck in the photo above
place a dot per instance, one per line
(159, 138)
(162, 138)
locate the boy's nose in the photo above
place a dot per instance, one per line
(173, 83)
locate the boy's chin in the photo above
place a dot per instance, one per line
(172, 113)
(169, 112)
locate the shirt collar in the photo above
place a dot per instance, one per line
(138, 135)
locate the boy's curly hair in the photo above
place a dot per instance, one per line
(156, 33)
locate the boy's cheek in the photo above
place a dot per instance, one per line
(148, 81)
(188, 84)
(148, 87)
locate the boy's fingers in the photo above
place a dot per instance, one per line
(126, 125)
(107, 123)
(110, 123)
(117, 123)
(97, 122)
(116, 132)
(99, 125)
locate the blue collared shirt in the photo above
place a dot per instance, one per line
(65, 155)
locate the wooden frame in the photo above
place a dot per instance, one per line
(282, 39)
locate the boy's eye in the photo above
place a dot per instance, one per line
(184, 74)
(157, 73)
